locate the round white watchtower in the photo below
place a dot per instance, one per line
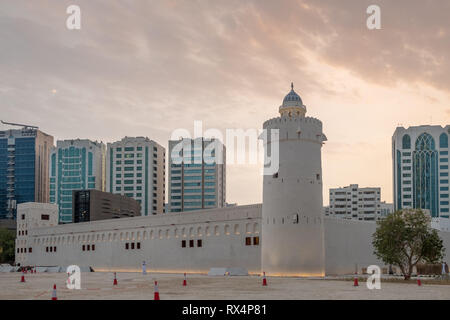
(292, 223)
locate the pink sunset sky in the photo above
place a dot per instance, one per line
(146, 68)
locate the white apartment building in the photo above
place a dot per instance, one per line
(135, 167)
(352, 202)
(75, 165)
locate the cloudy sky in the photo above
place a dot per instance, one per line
(146, 68)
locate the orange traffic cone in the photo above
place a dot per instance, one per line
(54, 293)
(264, 279)
(22, 279)
(184, 281)
(419, 283)
(355, 281)
(115, 280)
(156, 297)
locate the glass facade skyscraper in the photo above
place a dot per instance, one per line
(421, 169)
(196, 179)
(24, 155)
(75, 165)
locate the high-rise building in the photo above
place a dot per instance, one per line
(74, 165)
(135, 167)
(196, 178)
(352, 202)
(24, 155)
(420, 163)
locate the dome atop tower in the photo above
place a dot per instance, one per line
(292, 104)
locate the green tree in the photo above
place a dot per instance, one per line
(405, 238)
(7, 245)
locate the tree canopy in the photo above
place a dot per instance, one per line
(405, 238)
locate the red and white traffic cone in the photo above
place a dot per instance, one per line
(156, 296)
(264, 279)
(22, 279)
(184, 281)
(115, 280)
(355, 281)
(54, 293)
(419, 283)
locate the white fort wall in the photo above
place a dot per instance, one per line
(222, 232)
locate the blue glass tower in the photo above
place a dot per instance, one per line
(75, 165)
(23, 168)
(421, 169)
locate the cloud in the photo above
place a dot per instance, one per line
(141, 68)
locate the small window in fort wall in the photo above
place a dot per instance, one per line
(138, 245)
(199, 243)
(30, 250)
(191, 243)
(45, 217)
(51, 249)
(46, 249)
(83, 247)
(127, 246)
(216, 230)
(183, 243)
(227, 230)
(88, 247)
(236, 229)
(256, 241)
(132, 246)
(93, 247)
(54, 249)
(23, 217)
(248, 241)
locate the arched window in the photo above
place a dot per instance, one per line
(425, 167)
(406, 142)
(236, 229)
(443, 140)
(256, 227)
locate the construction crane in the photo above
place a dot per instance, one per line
(26, 126)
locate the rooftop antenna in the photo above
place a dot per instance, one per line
(26, 126)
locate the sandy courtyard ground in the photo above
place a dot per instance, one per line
(99, 285)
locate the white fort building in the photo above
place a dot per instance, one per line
(286, 235)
